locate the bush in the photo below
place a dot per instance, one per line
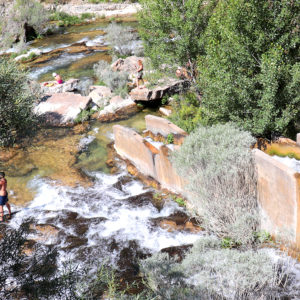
(187, 112)
(210, 272)
(65, 19)
(116, 81)
(218, 165)
(28, 14)
(122, 39)
(250, 71)
(17, 98)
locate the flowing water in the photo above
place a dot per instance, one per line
(61, 179)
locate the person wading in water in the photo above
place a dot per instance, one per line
(3, 196)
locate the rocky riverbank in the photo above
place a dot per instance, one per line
(78, 7)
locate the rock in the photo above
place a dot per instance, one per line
(177, 252)
(62, 108)
(165, 111)
(100, 95)
(130, 145)
(166, 174)
(114, 112)
(70, 85)
(116, 100)
(100, 9)
(172, 87)
(162, 126)
(45, 232)
(129, 64)
(150, 159)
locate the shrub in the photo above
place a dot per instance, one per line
(170, 138)
(17, 98)
(122, 39)
(28, 14)
(186, 113)
(116, 81)
(218, 165)
(250, 71)
(210, 272)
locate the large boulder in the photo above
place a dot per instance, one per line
(117, 110)
(163, 126)
(130, 145)
(62, 108)
(52, 87)
(172, 87)
(129, 64)
(100, 95)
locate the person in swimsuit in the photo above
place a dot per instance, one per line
(57, 78)
(139, 76)
(3, 196)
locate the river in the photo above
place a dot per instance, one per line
(77, 202)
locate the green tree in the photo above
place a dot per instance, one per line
(250, 73)
(172, 30)
(16, 103)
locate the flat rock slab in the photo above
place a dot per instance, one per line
(62, 108)
(172, 87)
(53, 87)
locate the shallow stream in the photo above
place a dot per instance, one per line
(61, 179)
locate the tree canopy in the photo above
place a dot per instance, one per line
(16, 103)
(250, 71)
(172, 30)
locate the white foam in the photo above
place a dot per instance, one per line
(290, 162)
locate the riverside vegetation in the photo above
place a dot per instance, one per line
(244, 79)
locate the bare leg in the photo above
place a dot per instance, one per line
(1, 213)
(137, 82)
(9, 210)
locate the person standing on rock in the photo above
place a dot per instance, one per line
(139, 76)
(3, 196)
(57, 78)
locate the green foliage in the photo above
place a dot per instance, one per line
(116, 81)
(263, 236)
(23, 13)
(227, 243)
(170, 138)
(172, 30)
(83, 116)
(17, 98)
(187, 112)
(65, 19)
(165, 100)
(218, 165)
(250, 71)
(180, 201)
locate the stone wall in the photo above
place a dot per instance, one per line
(151, 159)
(279, 198)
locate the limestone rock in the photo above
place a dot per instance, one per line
(162, 126)
(119, 111)
(100, 95)
(129, 64)
(130, 145)
(62, 108)
(173, 86)
(165, 111)
(70, 85)
(116, 100)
